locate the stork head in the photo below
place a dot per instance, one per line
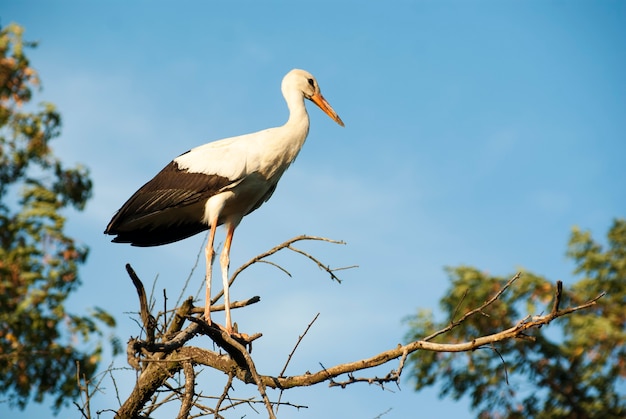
(304, 82)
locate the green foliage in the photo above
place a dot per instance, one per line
(574, 369)
(38, 262)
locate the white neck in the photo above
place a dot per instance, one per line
(298, 117)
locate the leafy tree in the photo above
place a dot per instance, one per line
(38, 261)
(574, 369)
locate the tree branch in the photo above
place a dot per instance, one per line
(282, 372)
(149, 322)
(187, 401)
(285, 245)
(327, 374)
(470, 313)
(169, 353)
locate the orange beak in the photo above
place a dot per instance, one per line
(319, 100)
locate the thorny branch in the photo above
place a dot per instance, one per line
(163, 354)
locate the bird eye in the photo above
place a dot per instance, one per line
(311, 82)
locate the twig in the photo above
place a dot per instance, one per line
(392, 376)
(319, 264)
(383, 413)
(270, 252)
(458, 306)
(405, 354)
(227, 387)
(249, 401)
(117, 390)
(193, 269)
(490, 301)
(85, 409)
(282, 372)
(164, 308)
(506, 372)
(557, 297)
(177, 322)
(277, 266)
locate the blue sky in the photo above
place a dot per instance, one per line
(476, 133)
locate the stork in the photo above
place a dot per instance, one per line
(219, 183)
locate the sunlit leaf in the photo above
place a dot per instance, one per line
(40, 342)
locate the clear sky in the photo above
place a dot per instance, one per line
(476, 133)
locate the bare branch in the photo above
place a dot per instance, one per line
(392, 377)
(270, 252)
(83, 388)
(233, 305)
(251, 369)
(149, 322)
(187, 402)
(458, 306)
(160, 357)
(470, 313)
(319, 264)
(282, 372)
(557, 299)
(383, 413)
(327, 374)
(227, 387)
(192, 270)
(276, 265)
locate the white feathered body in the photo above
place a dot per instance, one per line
(223, 180)
(230, 178)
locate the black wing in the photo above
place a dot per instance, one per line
(168, 208)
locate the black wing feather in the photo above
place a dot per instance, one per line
(168, 208)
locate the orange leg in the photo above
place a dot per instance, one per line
(209, 254)
(224, 263)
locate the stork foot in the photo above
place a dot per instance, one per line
(207, 317)
(233, 332)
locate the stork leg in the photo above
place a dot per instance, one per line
(224, 263)
(210, 255)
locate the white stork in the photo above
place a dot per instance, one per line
(219, 183)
